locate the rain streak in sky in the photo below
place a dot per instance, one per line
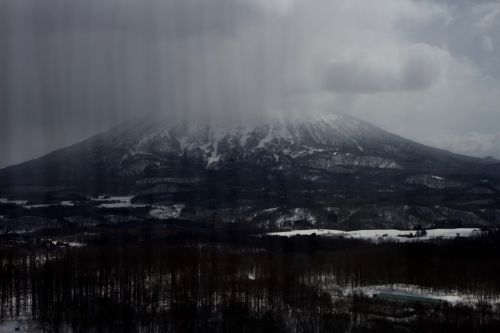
(427, 70)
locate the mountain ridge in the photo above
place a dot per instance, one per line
(177, 126)
(331, 169)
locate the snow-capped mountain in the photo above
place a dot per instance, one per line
(314, 166)
(324, 143)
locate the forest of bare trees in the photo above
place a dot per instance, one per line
(247, 284)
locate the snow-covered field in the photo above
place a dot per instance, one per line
(9, 325)
(384, 234)
(166, 212)
(24, 204)
(62, 203)
(453, 297)
(157, 211)
(115, 202)
(16, 202)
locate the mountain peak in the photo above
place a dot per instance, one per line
(162, 146)
(322, 162)
(281, 137)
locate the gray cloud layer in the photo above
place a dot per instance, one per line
(411, 71)
(429, 70)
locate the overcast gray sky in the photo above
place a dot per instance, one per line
(427, 70)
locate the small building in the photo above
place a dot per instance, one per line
(406, 298)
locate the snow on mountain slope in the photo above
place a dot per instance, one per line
(301, 166)
(334, 143)
(329, 143)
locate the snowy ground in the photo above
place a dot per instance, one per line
(453, 297)
(62, 203)
(19, 325)
(16, 202)
(384, 234)
(116, 202)
(166, 212)
(157, 211)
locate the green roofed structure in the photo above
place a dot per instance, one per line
(406, 298)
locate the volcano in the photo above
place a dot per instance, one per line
(332, 170)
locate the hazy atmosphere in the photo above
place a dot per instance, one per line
(250, 166)
(427, 70)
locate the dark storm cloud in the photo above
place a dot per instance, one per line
(175, 19)
(73, 68)
(70, 69)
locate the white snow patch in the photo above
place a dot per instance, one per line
(166, 212)
(270, 210)
(62, 203)
(296, 215)
(117, 202)
(75, 244)
(213, 158)
(37, 206)
(453, 296)
(16, 202)
(384, 234)
(14, 325)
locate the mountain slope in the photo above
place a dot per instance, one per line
(323, 142)
(335, 161)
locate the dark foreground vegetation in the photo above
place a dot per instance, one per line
(154, 280)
